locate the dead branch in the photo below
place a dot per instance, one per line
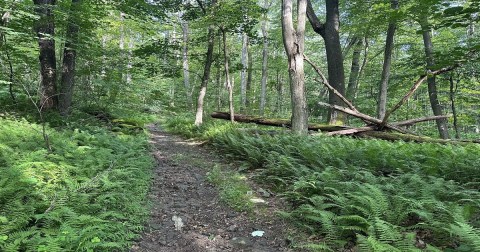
(414, 88)
(327, 84)
(417, 120)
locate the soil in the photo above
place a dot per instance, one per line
(187, 214)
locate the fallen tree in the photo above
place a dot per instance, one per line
(274, 122)
(374, 128)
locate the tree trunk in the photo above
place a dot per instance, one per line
(432, 86)
(206, 76)
(243, 76)
(68, 66)
(263, 93)
(330, 34)
(186, 71)
(355, 70)
(453, 90)
(3, 42)
(249, 75)
(387, 62)
(294, 42)
(227, 75)
(45, 29)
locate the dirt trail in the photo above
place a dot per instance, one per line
(180, 191)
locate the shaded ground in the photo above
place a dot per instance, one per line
(180, 191)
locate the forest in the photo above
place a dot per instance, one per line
(361, 119)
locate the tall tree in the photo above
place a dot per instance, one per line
(243, 76)
(69, 57)
(329, 30)
(355, 69)
(227, 74)
(387, 62)
(186, 70)
(263, 94)
(432, 85)
(294, 42)
(45, 29)
(206, 69)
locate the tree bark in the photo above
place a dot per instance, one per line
(293, 40)
(227, 75)
(274, 122)
(206, 76)
(453, 90)
(186, 71)
(69, 57)
(263, 93)
(249, 76)
(355, 70)
(432, 86)
(243, 76)
(387, 62)
(45, 29)
(336, 73)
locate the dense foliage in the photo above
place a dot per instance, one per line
(87, 194)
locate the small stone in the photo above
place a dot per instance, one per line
(232, 215)
(232, 228)
(258, 201)
(241, 242)
(264, 193)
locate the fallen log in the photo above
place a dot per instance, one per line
(275, 122)
(371, 131)
(390, 136)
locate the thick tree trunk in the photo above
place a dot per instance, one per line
(355, 70)
(227, 75)
(293, 41)
(387, 62)
(69, 57)
(432, 86)
(330, 34)
(186, 71)
(263, 92)
(206, 76)
(243, 76)
(45, 28)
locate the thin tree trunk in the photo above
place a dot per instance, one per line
(336, 73)
(249, 75)
(45, 29)
(355, 70)
(263, 94)
(453, 90)
(3, 42)
(387, 62)
(69, 57)
(206, 76)
(227, 75)
(186, 71)
(243, 76)
(294, 42)
(432, 86)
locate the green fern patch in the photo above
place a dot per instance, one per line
(87, 194)
(370, 195)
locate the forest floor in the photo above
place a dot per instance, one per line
(187, 213)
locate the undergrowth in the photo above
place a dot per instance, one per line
(87, 194)
(232, 188)
(365, 195)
